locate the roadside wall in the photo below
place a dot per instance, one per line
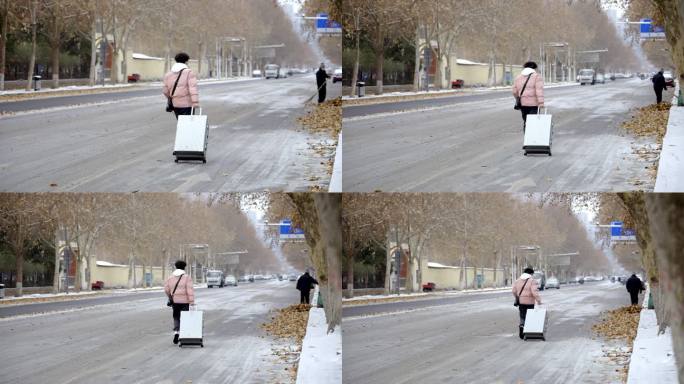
(152, 69)
(448, 277)
(478, 73)
(116, 275)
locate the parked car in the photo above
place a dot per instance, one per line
(215, 278)
(292, 277)
(98, 285)
(669, 80)
(256, 73)
(541, 280)
(337, 75)
(429, 287)
(231, 280)
(271, 71)
(579, 279)
(250, 278)
(552, 282)
(600, 78)
(587, 76)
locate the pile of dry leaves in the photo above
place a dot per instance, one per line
(620, 323)
(289, 322)
(324, 117)
(650, 120)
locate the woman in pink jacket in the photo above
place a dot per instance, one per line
(533, 96)
(178, 288)
(526, 290)
(186, 96)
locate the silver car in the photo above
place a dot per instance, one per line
(552, 282)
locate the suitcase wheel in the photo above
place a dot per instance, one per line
(202, 345)
(204, 161)
(525, 153)
(175, 160)
(180, 345)
(549, 153)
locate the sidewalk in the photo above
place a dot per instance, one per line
(321, 357)
(670, 176)
(652, 358)
(336, 178)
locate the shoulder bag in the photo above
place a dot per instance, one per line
(517, 298)
(169, 100)
(170, 302)
(518, 101)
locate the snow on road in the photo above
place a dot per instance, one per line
(477, 342)
(131, 342)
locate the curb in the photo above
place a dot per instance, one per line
(670, 177)
(336, 178)
(320, 361)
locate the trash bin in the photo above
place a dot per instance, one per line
(36, 83)
(361, 89)
(2, 291)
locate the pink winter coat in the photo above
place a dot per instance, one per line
(534, 91)
(186, 94)
(530, 293)
(184, 293)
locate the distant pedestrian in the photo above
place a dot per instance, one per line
(528, 89)
(321, 81)
(180, 87)
(304, 284)
(526, 292)
(178, 288)
(659, 85)
(634, 287)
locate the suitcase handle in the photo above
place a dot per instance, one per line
(192, 111)
(193, 307)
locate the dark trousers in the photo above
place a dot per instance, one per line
(177, 308)
(182, 111)
(659, 94)
(321, 94)
(522, 308)
(634, 296)
(304, 296)
(527, 111)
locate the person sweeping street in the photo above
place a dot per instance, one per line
(304, 284)
(526, 293)
(634, 286)
(321, 81)
(659, 85)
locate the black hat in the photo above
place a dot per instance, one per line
(529, 270)
(180, 264)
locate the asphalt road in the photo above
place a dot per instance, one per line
(473, 339)
(130, 342)
(473, 142)
(123, 141)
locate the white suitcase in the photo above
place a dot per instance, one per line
(191, 328)
(538, 134)
(192, 134)
(535, 324)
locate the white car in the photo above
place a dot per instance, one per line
(231, 280)
(271, 71)
(587, 76)
(600, 78)
(256, 73)
(552, 282)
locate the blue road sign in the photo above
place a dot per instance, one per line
(325, 25)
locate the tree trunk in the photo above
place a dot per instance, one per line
(55, 40)
(93, 54)
(4, 29)
(19, 267)
(666, 226)
(34, 32)
(350, 275)
(388, 266)
(355, 72)
(416, 68)
(55, 275)
(199, 59)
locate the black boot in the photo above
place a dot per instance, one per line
(520, 333)
(175, 338)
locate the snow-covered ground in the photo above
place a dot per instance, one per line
(9, 299)
(336, 179)
(321, 357)
(652, 355)
(671, 164)
(423, 294)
